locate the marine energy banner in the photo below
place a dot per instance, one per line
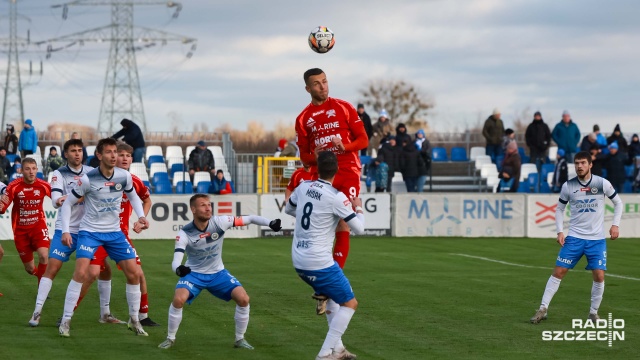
(467, 215)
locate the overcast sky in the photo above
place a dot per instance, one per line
(469, 56)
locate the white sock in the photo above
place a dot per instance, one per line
(332, 310)
(596, 296)
(43, 291)
(133, 300)
(104, 292)
(552, 286)
(142, 315)
(71, 299)
(175, 317)
(339, 325)
(242, 321)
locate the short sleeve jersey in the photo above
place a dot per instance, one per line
(298, 177)
(102, 198)
(28, 204)
(127, 209)
(204, 247)
(319, 208)
(63, 181)
(586, 204)
(318, 124)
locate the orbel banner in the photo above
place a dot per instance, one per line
(541, 221)
(377, 214)
(468, 215)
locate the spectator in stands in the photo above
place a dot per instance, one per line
(410, 162)
(201, 159)
(618, 138)
(381, 172)
(133, 136)
(589, 142)
(390, 153)
(11, 140)
(423, 170)
(220, 185)
(54, 161)
(288, 148)
(17, 171)
(538, 138)
(28, 142)
(509, 136)
(5, 166)
(615, 164)
(368, 126)
(566, 134)
(402, 136)
(510, 173)
(493, 131)
(421, 138)
(597, 160)
(381, 129)
(600, 139)
(634, 148)
(560, 173)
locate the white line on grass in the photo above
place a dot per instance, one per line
(532, 267)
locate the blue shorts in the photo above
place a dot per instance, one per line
(574, 248)
(220, 284)
(115, 243)
(58, 250)
(330, 282)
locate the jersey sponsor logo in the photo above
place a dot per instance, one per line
(59, 253)
(585, 189)
(204, 235)
(110, 204)
(327, 126)
(326, 139)
(110, 183)
(331, 113)
(346, 203)
(311, 122)
(564, 261)
(317, 113)
(86, 248)
(587, 205)
(36, 192)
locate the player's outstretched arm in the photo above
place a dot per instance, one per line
(275, 225)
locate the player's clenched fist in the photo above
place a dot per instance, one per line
(183, 271)
(275, 225)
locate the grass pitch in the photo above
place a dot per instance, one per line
(432, 298)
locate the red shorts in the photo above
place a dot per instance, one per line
(100, 256)
(348, 182)
(29, 240)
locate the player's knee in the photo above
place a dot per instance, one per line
(178, 302)
(353, 304)
(29, 268)
(243, 301)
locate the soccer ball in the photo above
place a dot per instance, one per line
(321, 39)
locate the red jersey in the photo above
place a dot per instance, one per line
(28, 200)
(318, 124)
(126, 208)
(298, 177)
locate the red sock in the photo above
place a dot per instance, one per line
(78, 303)
(341, 248)
(41, 269)
(144, 303)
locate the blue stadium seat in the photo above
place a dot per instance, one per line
(11, 157)
(155, 159)
(147, 184)
(525, 159)
(184, 187)
(163, 187)
(544, 188)
(40, 175)
(203, 187)
(176, 168)
(604, 173)
(532, 182)
(439, 154)
(627, 188)
(160, 177)
(629, 171)
(521, 152)
(523, 187)
(546, 169)
(459, 154)
(365, 159)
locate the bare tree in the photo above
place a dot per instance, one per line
(404, 102)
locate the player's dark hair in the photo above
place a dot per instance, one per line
(327, 165)
(125, 147)
(26, 161)
(105, 142)
(72, 142)
(312, 72)
(583, 155)
(192, 201)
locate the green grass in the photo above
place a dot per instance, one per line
(417, 301)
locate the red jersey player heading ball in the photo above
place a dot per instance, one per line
(332, 124)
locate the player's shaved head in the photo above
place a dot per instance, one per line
(194, 198)
(327, 165)
(311, 72)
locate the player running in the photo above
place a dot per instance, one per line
(27, 217)
(99, 262)
(585, 195)
(202, 241)
(102, 189)
(318, 207)
(332, 124)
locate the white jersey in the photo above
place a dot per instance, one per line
(586, 204)
(102, 198)
(318, 209)
(204, 247)
(63, 181)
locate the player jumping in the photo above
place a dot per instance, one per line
(318, 208)
(585, 195)
(202, 241)
(332, 124)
